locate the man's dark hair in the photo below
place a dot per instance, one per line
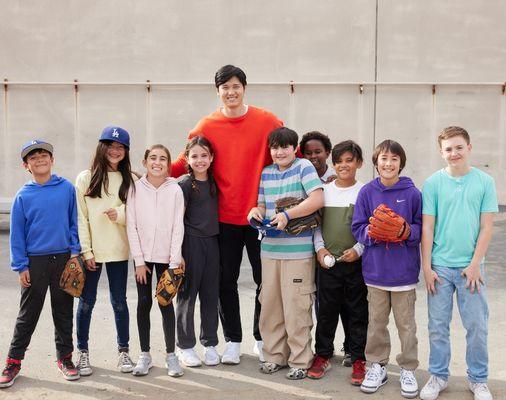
(344, 147)
(225, 73)
(315, 135)
(283, 137)
(389, 146)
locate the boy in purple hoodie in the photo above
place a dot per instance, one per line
(390, 269)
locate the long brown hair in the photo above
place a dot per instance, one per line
(205, 144)
(99, 178)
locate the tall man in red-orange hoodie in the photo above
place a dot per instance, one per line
(238, 134)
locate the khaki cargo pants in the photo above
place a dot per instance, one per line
(287, 296)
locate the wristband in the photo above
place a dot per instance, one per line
(286, 215)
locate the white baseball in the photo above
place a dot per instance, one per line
(329, 261)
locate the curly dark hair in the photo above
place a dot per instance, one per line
(315, 135)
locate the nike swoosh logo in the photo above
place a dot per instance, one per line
(400, 201)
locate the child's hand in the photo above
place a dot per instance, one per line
(112, 214)
(349, 255)
(320, 255)
(24, 278)
(473, 277)
(430, 281)
(90, 264)
(256, 213)
(280, 221)
(141, 272)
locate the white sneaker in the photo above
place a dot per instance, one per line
(409, 386)
(83, 363)
(211, 356)
(173, 367)
(432, 388)
(125, 363)
(257, 349)
(189, 357)
(232, 353)
(144, 364)
(480, 390)
(375, 377)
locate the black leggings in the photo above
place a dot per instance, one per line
(144, 303)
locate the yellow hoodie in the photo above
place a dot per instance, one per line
(100, 237)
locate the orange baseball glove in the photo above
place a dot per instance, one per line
(386, 225)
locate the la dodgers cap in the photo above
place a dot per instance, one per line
(115, 134)
(35, 144)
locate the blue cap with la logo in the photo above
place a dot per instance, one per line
(115, 134)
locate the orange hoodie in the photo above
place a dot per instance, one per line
(241, 152)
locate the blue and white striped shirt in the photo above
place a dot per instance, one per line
(298, 180)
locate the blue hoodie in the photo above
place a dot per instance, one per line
(43, 221)
(393, 264)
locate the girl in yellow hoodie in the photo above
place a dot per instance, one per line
(101, 196)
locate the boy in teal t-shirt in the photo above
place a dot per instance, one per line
(459, 203)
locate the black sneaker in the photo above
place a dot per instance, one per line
(10, 372)
(67, 368)
(346, 359)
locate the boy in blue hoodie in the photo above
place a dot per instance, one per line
(43, 235)
(390, 269)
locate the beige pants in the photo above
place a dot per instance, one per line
(287, 296)
(378, 346)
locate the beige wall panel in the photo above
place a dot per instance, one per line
(47, 113)
(187, 41)
(175, 111)
(481, 111)
(435, 40)
(405, 114)
(101, 106)
(341, 112)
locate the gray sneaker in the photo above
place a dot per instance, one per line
(83, 363)
(173, 367)
(144, 363)
(125, 363)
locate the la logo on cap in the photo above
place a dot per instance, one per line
(34, 142)
(115, 133)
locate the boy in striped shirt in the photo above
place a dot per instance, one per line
(288, 282)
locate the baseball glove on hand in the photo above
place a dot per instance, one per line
(297, 225)
(169, 285)
(387, 226)
(72, 278)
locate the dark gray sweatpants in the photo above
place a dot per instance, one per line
(202, 258)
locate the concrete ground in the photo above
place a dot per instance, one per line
(40, 378)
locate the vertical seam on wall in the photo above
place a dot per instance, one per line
(375, 80)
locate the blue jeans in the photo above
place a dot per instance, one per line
(473, 309)
(117, 273)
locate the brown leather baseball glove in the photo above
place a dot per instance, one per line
(73, 277)
(169, 285)
(297, 225)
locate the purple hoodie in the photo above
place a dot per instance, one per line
(399, 263)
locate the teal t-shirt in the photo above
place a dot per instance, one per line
(457, 203)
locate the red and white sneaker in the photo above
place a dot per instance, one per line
(67, 368)
(10, 372)
(358, 373)
(319, 367)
